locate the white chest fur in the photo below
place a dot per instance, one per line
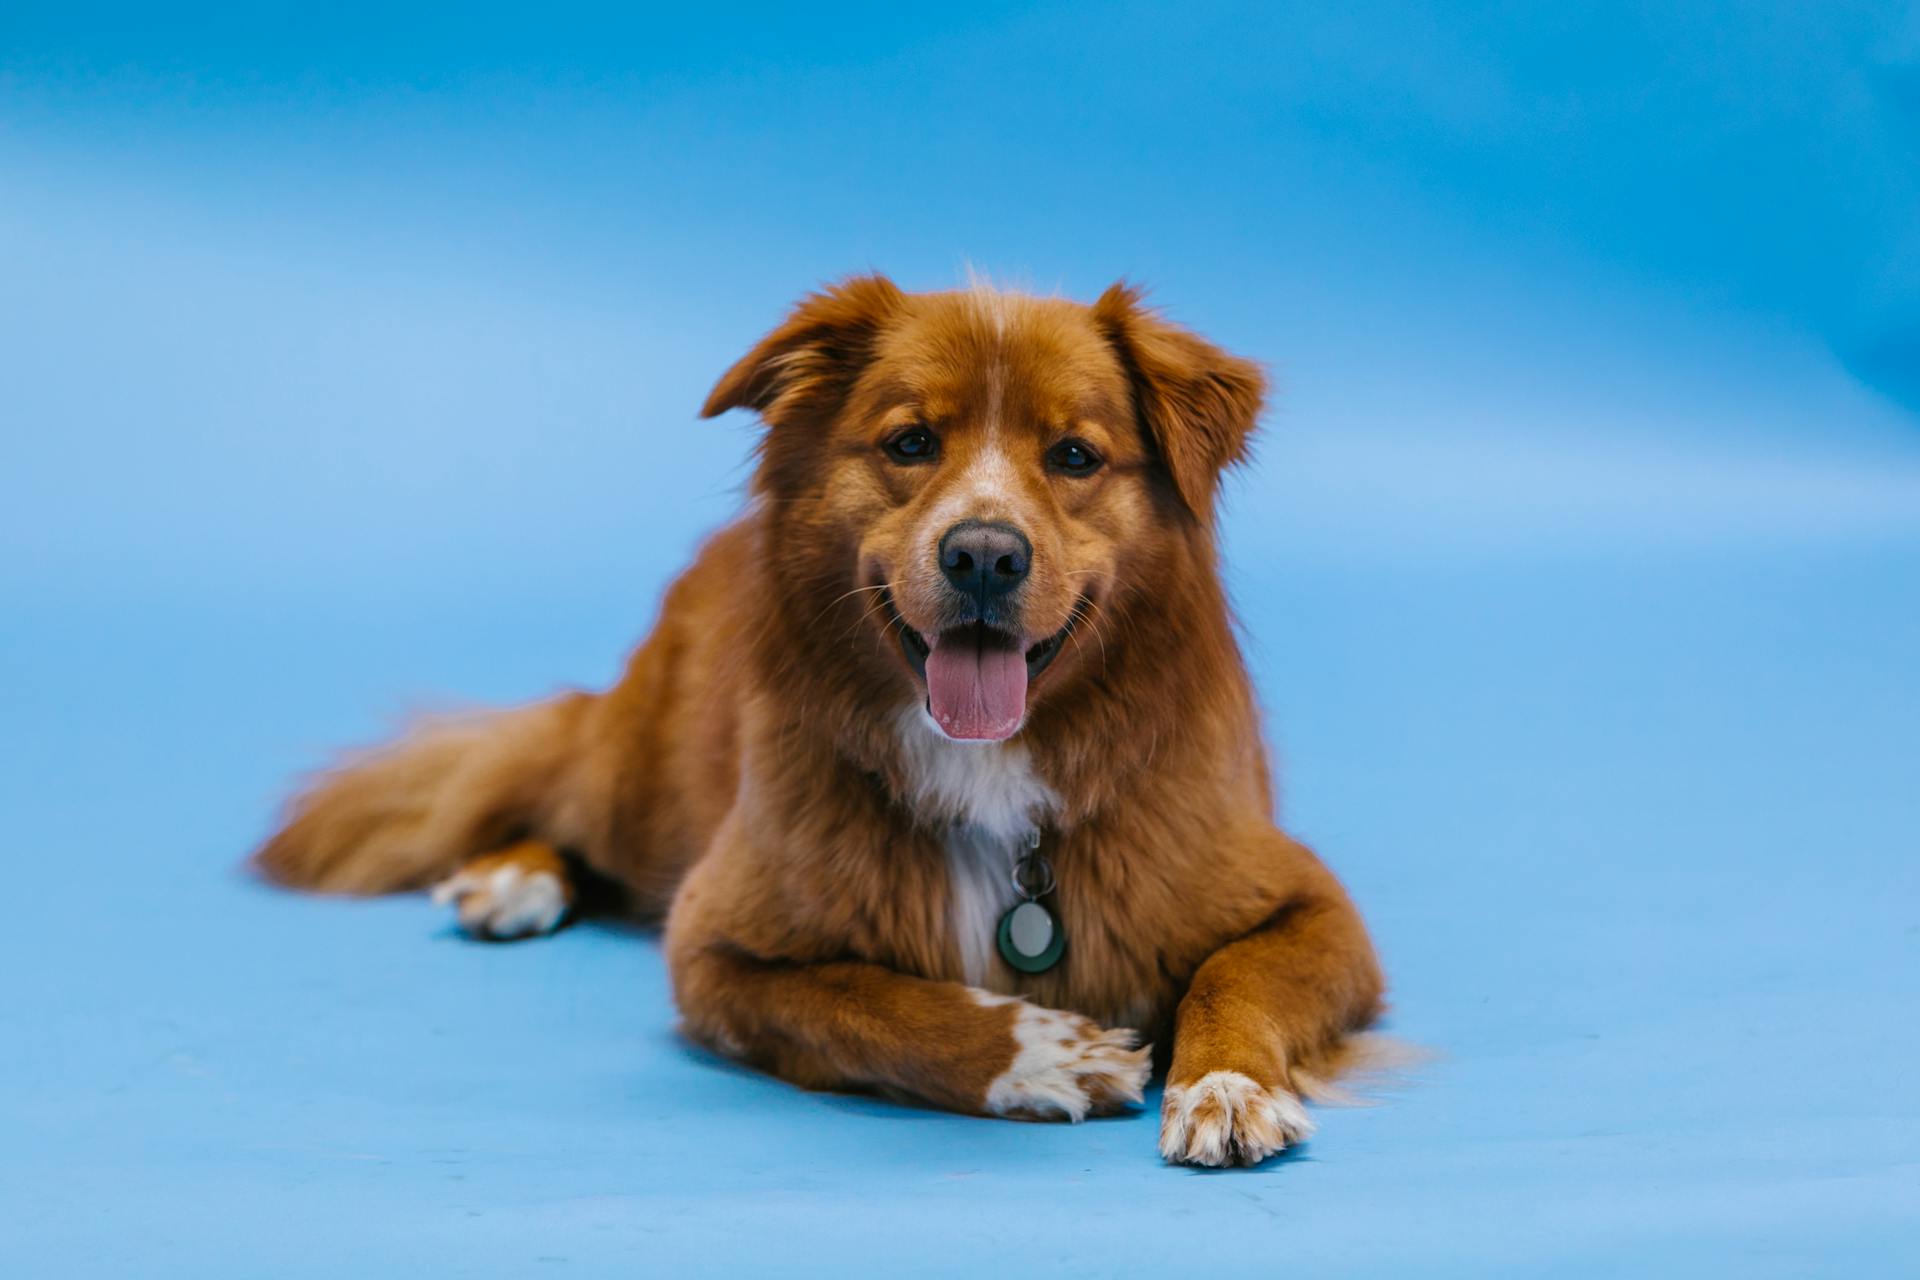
(990, 798)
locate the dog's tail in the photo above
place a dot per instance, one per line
(1353, 1070)
(409, 814)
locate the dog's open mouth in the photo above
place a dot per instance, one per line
(976, 675)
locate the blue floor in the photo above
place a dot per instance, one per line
(1637, 836)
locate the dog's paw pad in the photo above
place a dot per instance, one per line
(505, 900)
(1067, 1067)
(1228, 1118)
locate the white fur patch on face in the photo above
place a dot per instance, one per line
(1225, 1117)
(989, 798)
(989, 489)
(1066, 1067)
(990, 483)
(505, 902)
(994, 305)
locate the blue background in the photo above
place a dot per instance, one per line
(348, 363)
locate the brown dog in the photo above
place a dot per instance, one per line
(967, 648)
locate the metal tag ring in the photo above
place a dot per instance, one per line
(1032, 861)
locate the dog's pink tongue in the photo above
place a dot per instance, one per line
(976, 690)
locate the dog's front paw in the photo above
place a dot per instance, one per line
(516, 893)
(1227, 1118)
(1067, 1067)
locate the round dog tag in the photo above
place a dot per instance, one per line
(1030, 938)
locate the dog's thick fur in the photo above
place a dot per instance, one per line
(831, 865)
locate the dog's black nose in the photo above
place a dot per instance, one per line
(985, 559)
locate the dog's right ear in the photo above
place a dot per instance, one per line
(817, 351)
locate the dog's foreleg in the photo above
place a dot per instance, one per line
(853, 1025)
(1260, 1012)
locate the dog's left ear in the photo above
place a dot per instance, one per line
(1198, 403)
(814, 354)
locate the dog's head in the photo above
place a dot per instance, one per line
(969, 487)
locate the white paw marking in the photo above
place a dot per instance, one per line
(1067, 1066)
(506, 902)
(1227, 1118)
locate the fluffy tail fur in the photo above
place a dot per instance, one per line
(409, 814)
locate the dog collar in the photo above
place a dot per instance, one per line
(1030, 936)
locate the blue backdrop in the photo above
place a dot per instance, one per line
(349, 361)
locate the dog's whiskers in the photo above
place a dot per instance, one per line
(1085, 610)
(880, 586)
(879, 603)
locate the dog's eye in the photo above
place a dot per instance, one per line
(917, 445)
(1073, 458)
